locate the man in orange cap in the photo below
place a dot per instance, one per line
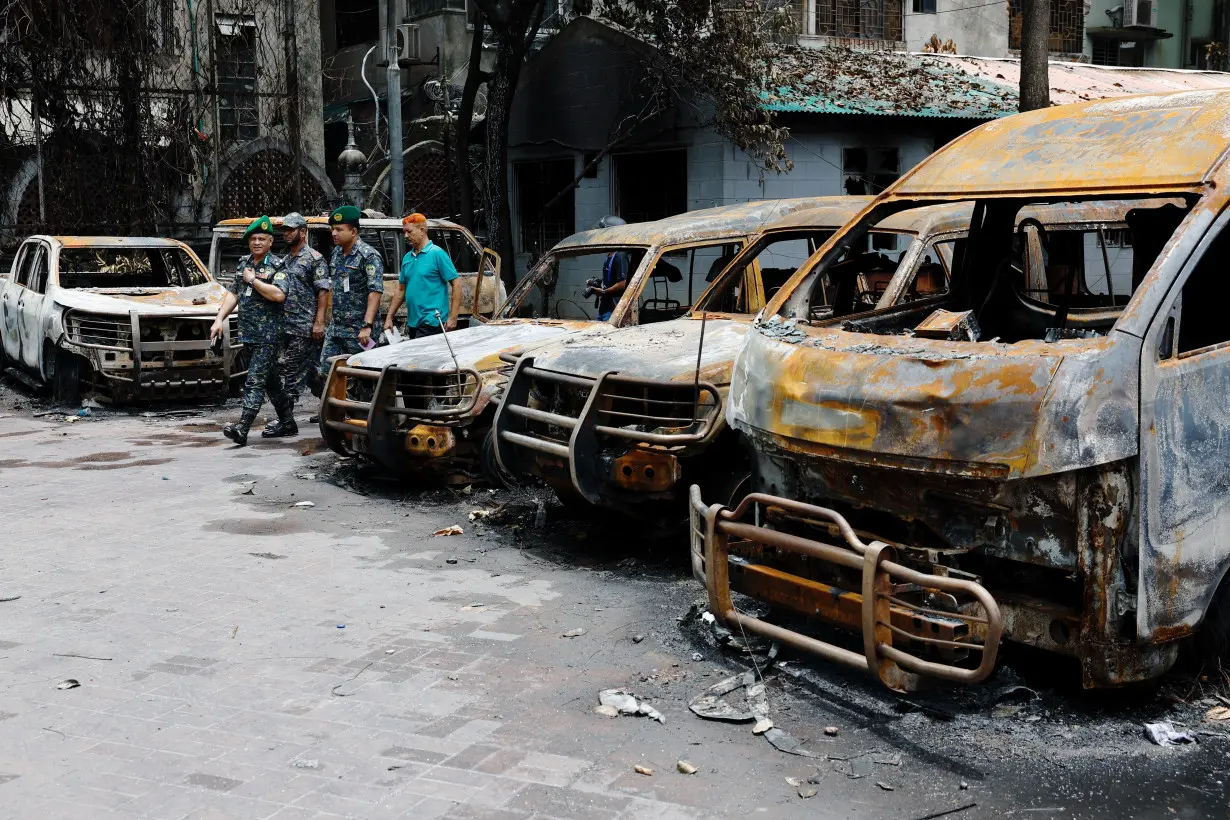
(427, 283)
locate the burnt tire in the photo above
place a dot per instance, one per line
(490, 465)
(66, 378)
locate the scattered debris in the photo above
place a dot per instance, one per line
(269, 556)
(477, 515)
(807, 791)
(70, 683)
(785, 742)
(624, 703)
(606, 711)
(540, 515)
(83, 657)
(9, 600)
(831, 731)
(450, 560)
(574, 633)
(887, 760)
(234, 632)
(1217, 714)
(947, 812)
(248, 490)
(303, 504)
(306, 476)
(884, 786)
(763, 725)
(635, 638)
(645, 770)
(1164, 734)
(697, 657)
(305, 764)
(712, 704)
(453, 530)
(685, 767)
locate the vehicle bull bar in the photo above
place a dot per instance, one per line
(609, 407)
(877, 609)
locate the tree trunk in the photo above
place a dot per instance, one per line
(500, 88)
(465, 124)
(1035, 89)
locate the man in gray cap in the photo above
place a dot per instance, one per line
(304, 318)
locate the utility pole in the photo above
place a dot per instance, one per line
(397, 176)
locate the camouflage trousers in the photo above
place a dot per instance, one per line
(336, 346)
(263, 378)
(298, 364)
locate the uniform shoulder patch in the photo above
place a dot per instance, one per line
(277, 277)
(371, 268)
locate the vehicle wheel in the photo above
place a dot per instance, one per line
(66, 380)
(490, 464)
(1213, 638)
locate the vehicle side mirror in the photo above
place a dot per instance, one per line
(1165, 349)
(488, 268)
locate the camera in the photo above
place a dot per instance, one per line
(591, 286)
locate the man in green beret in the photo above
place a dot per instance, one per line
(356, 278)
(259, 290)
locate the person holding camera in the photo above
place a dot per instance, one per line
(614, 280)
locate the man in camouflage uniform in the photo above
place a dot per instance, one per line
(303, 326)
(259, 290)
(356, 278)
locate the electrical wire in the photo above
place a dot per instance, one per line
(375, 98)
(965, 8)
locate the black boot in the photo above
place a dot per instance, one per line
(285, 425)
(238, 433)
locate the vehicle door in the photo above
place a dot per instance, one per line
(31, 308)
(1185, 444)
(11, 296)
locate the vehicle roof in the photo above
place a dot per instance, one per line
(1141, 142)
(242, 223)
(927, 220)
(111, 241)
(707, 223)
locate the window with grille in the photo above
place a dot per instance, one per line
(862, 19)
(537, 184)
(235, 47)
(924, 6)
(1067, 34)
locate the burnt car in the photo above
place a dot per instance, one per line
(424, 407)
(478, 268)
(125, 317)
(1035, 455)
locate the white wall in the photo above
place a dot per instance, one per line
(980, 31)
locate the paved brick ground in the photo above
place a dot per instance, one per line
(247, 658)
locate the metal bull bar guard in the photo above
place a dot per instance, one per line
(876, 609)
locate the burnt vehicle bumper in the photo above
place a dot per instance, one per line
(912, 624)
(1058, 553)
(409, 421)
(135, 358)
(612, 440)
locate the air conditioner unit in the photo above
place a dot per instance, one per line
(1140, 13)
(407, 42)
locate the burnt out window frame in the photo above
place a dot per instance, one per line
(541, 231)
(528, 283)
(1219, 242)
(674, 201)
(237, 65)
(645, 283)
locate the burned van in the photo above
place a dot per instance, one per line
(1036, 454)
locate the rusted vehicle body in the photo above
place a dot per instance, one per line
(424, 407)
(126, 317)
(478, 268)
(1037, 454)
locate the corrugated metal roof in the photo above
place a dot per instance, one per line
(841, 80)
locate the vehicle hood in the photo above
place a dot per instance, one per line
(477, 346)
(122, 301)
(985, 408)
(663, 350)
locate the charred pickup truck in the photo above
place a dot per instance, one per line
(424, 407)
(478, 268)
(126, 317)
(624, 418)
(1036, 454)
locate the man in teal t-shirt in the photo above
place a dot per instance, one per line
(428, 282)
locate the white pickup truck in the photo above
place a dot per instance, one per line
(125, 317)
